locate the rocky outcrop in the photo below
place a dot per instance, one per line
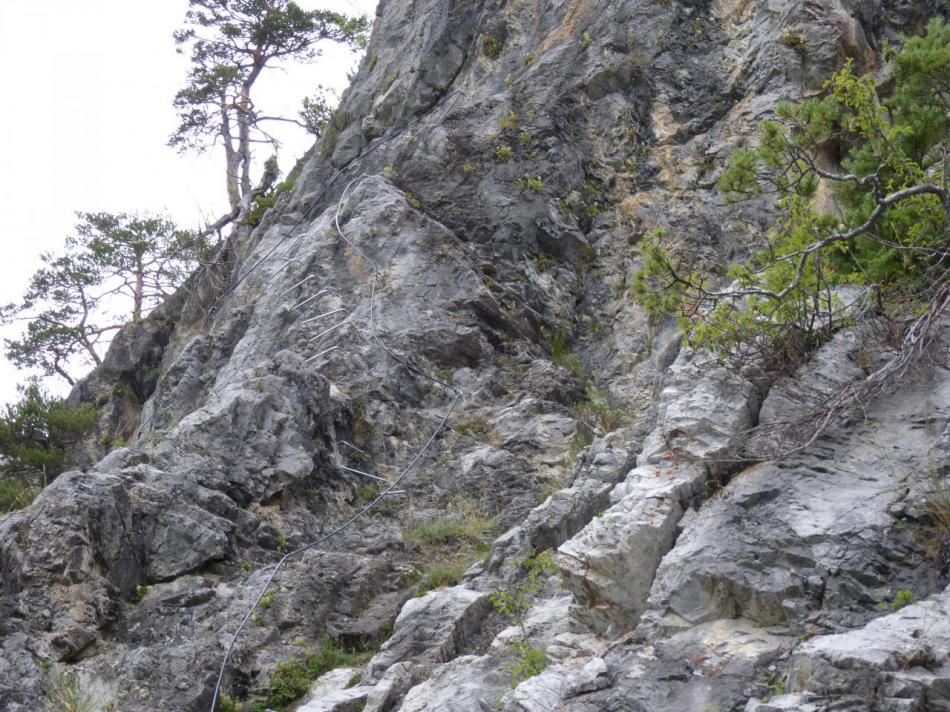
(476, 276)
(434, 628)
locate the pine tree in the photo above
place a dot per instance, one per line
(35, 434)
(115, 269)
(231, 43)
(885, 236)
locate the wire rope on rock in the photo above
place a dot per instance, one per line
(392, 486)
(450, 99)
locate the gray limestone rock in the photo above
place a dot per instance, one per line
(898, 661)
(250, 406)
(434, 628)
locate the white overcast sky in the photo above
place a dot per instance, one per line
(85, 119)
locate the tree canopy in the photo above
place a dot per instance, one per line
(860, 177)
(231, 42)
(35, 434)
(113, 270)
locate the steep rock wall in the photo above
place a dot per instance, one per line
(514, 153)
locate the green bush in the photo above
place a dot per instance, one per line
(932, 532)
(16, 493)
(886, 232)
(265, 202)
(514, 603)
(477, 428)
(228, 704)
(903, 598)
(35, 433)
(66, 694)
(291, 679)
(492, 47)
(527, 661)
(508, 122)
(532, 183)
(562, 355)
(439, 574)
(794, 40)
(333, 128)
(599, 409)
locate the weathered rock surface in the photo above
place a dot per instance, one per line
(434, 628)
(900, 661)
(255, 398)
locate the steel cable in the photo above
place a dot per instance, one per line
(316, 201)
(456, 398)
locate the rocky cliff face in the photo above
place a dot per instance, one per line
(500, 161)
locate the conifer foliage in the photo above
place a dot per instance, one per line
(860, 176)
(35, 434)
(113, 270)
(231, 43)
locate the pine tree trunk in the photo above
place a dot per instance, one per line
(138, 289)
(244, 139)
(230, 157)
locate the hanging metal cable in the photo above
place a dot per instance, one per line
(388, 490)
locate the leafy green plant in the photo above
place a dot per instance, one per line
(637, 60)
(562, 355)
(140, 592)
(492, 47)
(451, 543)
(390, 79)
(291, 679)
(331, 132)
(885, 235)
(532, 183)
(903, 598)
(795, 40)
(545, 262)
(362, 429)
(508, 122)
(586, 40)
(528, 661)
(469, 527)
(503, 153)
(263, 203)
(776, 686)
(413, 201)
(365, 494)
(229, 704)
(438, 574)
(599, 409)
(35, 433)
(514, 603)
(477, 428)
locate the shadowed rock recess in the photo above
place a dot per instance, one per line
(503, 225)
